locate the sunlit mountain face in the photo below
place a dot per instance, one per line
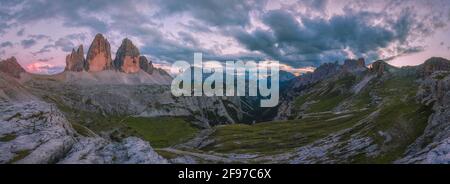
(300, 34)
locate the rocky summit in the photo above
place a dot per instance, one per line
(127, 57)
(11, 67)
(435, 64)
(75, 61)
(99, 55)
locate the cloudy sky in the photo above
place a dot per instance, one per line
(299, 34)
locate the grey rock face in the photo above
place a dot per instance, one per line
(99, 54)
(141, 100)
(36, 132)
(131, 150)
(33, 132)
(145, 65)
(75, 61)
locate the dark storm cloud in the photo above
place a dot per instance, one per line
(79, 13)
(77, 36)
(405, 51)
(20, 32)
(290, 37)
(188, 39)
(65, 44)
(38, 36)
(314, 39)
(45, 49)
(41, 51)
(28, 43)
(170, 50)
(6, 44)
(213, 12)
(195, 26)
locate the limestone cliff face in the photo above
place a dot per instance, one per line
(75, 61)
(145, 65)
(11, 67)
(127, 57)
(99, 55)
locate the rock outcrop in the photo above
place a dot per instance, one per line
(131, 150)
(99, 55)
(323, 71)
(33, 132)
(351, 65)
(145, 65)
(11, 67)
(380, 67)
(127, 57)
(75, 61)
(36, 132)
(434, 64)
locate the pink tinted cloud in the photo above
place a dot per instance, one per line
(43, 68)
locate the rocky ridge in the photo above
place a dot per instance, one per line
(33, 131)
(128, 59)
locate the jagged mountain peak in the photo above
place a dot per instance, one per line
(127, 60)
(75, 61)
(99, 54)
(127, 57)
(354, 65)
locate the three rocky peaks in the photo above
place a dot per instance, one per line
(127, 60)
